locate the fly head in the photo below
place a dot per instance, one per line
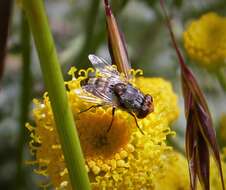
(146, 107)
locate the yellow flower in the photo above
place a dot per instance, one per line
(176, 175)
(123, 158)
(205, 40)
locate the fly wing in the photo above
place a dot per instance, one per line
(104, 68)
(89, 97)
(102, 88)
(99, 88)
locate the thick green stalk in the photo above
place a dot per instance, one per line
(57, 93)
(25, 96)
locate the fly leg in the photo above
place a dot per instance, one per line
(112, 119)
(135, 118)
(91, 107)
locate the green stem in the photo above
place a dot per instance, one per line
(25, 96)
(54, 82)
(221, 76)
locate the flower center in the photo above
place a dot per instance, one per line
(95, 138)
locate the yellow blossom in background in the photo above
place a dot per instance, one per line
(123, 158)
(205, 40)
(176, 175)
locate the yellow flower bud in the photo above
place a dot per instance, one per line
(205, 40)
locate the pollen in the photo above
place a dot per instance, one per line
(122, 158)
(205, 39)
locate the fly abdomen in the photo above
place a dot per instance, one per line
(129, 97)
(133, 100)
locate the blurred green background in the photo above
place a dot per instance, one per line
(78, 27)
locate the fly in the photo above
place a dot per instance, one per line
(110, 88)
